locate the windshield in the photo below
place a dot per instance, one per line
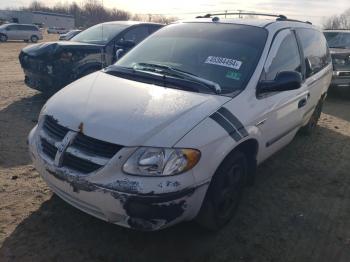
(226, 54)
(338, 39)
(99, 34)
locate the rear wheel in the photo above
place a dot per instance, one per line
(34, 39)
(3, 38)
(310, 127)
(224, 193)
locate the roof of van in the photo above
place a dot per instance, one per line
(129, 22)
(252, 22)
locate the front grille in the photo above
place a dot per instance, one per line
(88, 150)
(49, 149)
(79, 164)
(95, 147)
(54, 129)
(344, 74)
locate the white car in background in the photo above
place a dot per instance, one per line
(176, 128)
(24, 32)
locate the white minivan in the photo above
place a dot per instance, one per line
(176, 129)
(20, 32)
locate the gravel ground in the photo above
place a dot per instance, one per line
(299, 209)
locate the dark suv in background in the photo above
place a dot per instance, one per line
(339, 44)
(50, 66)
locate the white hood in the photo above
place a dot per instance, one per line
(130, 113)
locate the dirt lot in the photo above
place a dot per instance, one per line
(299, 209)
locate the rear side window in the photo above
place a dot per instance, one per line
(153, 28)
(32, 28)
(136, 34)
(315, 50)
(287, 58)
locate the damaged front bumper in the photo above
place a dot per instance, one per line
(124, 200)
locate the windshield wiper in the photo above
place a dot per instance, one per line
(160, 68)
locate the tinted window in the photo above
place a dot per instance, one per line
(26, 28)
(287, 58)
(32, 28)
(153, 28)
(136, 34)
(315, 50)
(99, 34)
(224, 53)
(12, 27)
(338, 39)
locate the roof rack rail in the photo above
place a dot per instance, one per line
(242, 13)
(278, 17)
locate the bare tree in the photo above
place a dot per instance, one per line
(156, 18)
(338, 21)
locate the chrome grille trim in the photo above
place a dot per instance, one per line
(74, 151)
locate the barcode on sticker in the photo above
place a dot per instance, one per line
(223, 61)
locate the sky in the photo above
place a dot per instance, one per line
(312, 10)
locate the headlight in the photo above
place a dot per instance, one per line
(41, 115)
(66, 56)
(147, 161)
(338, 61)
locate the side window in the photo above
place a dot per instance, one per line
(22, 28)
(11, 28)
(315, 50)
(286, 58)
(136, 34)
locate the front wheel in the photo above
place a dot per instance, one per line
(310, 127)
(224, 193)
(3, 38)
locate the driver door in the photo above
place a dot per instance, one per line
(284, 110)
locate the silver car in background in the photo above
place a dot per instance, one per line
(69, 35)
(24, 32)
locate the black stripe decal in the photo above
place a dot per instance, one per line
(279, 137)
(234, 121)
(226, 125)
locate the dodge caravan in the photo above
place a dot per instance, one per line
(176, 128)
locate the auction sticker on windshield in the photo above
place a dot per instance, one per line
(223, 61)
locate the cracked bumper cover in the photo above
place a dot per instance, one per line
(138, 210)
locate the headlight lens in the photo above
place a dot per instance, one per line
(338, 61)
(161, 161)
(66, 56)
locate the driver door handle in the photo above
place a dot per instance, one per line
(302, 102)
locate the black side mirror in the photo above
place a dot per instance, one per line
(284, 81)
(125, 43)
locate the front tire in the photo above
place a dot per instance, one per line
(310, 127)
(224, 193)
(3, 38)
